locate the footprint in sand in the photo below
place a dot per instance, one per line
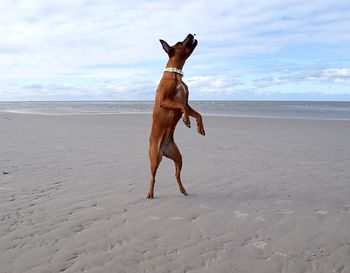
(240, 214)
(259, 243)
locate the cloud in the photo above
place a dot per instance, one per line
(144, 90)
(199, 86)
(202, 86)
(78, 33)
(68, 42)
(270, 80)
(329, 75)
(336, 75)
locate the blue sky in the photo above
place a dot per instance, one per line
(110, 50)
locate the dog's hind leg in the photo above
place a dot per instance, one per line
(155, 158)
(172, 152)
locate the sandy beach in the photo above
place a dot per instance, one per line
(265, 195)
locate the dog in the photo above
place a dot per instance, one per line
(171, 103)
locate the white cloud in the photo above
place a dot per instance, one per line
(200, 85)
(144, 90)
(54, 41)
(329, 75)
(336, 73)
(268, 81)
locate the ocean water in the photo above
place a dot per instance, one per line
(268, 109)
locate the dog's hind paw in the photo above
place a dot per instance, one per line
(183, 191)
(150, 196)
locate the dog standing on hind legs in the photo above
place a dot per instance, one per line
(171, 103)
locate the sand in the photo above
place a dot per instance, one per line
(266, 195)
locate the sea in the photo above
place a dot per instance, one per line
(324, 110)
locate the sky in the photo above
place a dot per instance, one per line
(110, 50)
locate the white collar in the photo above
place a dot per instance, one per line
(175, 70)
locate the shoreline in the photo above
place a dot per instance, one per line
(150, 113)
(323, 110)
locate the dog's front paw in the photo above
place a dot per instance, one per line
(200, 127)
(186, 120)
(200, 130)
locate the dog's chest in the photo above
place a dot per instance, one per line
(181, 92)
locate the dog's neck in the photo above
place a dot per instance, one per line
(175, 65)
(174, 70)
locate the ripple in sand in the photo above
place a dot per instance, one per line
(240, 214)
(153, 217)
(283, 211)
(322, 212)
(176, 218)
(5, 189)
(259, 218)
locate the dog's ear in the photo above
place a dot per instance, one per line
(168, 49)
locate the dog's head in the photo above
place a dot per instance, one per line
(181, 50)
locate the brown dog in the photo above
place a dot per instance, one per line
(170, 104)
